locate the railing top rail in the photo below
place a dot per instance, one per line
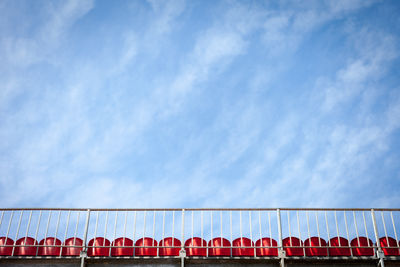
(203, 209)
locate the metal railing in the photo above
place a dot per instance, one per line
(241, 232)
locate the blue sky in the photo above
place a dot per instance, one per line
(199, 104)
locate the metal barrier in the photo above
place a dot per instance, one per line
(255, 233)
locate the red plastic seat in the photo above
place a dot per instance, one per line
(28, 247)
(389, 246)
(169, 247)
(99, 247)
(125, 247)
(272, 245)
(51, 247)
(194, 247)
(292, 246)
(238, 245)
(6, 251)
(72, 247)
(317, 247)
(360, 246)
(150, 247)
(339, 246)
(219, 247)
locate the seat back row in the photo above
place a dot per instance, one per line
(196, 246)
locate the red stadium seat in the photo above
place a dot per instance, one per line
(6, 251)
(28, 247)
(292, 246)
(169, 247)
(239, 247)
(317, 247)
(120, 242)
(72, 247)
(389, 246)
(339, 246)
(149, 247)
(99, 247)
(215, 247)
(51, 247)
(362, 246)
(271, 244)
(196, 247)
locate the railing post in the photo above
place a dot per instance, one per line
(182, 252)
(84, 249)
(281, 252)
(379, 252)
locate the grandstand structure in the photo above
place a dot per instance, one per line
(199, 237)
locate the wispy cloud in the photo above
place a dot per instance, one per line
(181, 104)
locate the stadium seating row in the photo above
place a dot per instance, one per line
(196, 246)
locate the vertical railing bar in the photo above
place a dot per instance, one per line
(259, 228)
(308, 226)
(337, 228)
(375, 231)
(298, 225)
(173, 227)
(347, 231)
(240, 220)
(230, 226)
(201, 226)
(66, 230)
(37, 230)
(134, 230)
(126, 219)
(251, 232)
(115, 231)
(29, 224)
(192, 224)
(278, 216)
(270, 230)
(95, 229)
(384, 228)
(220, 219)
(58, 224)
(48, 223)
(105, 228)
(290, 232)
(250, 226)
(85, 234)
(154, 227)
(251, 229)
(8, 229)
(394, 229)
(163, 230)
(355, 224)
(327, 229)
(16, 236)
(211, 217)
(365, 226)
(144, 225)
(76, 227)
(211, 238)
(201, 229)
(183, 229)
(27, 228)
(316, 219)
